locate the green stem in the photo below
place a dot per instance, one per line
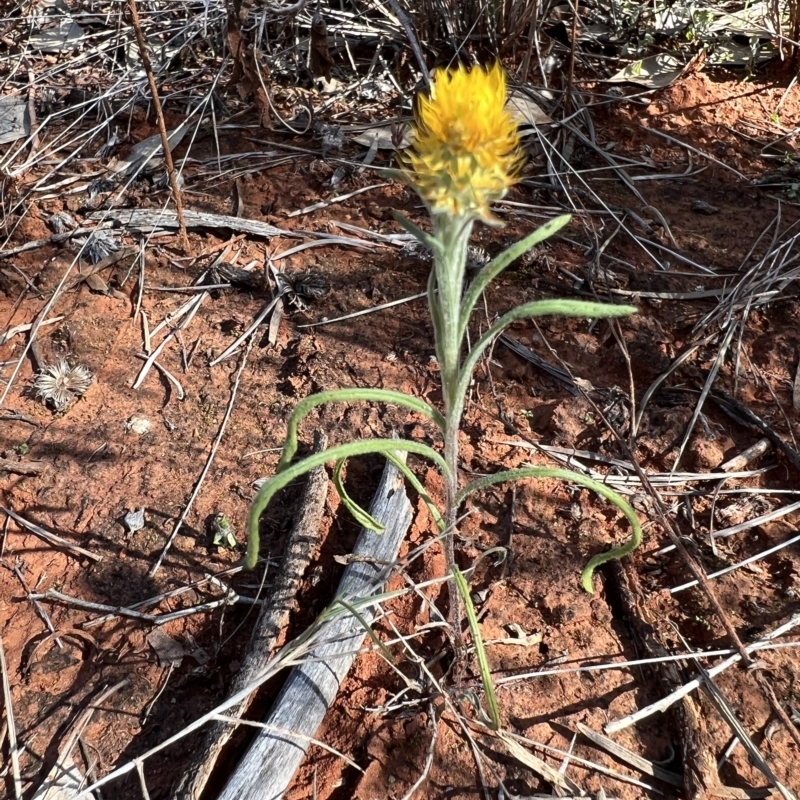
(444, 298)
(450, 264)
(450, 517)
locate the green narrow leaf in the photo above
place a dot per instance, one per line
(499, 263)
(362, 517)
(537, 308)
(575, 477)
(307, 404)
(360, 448)
(480, 650)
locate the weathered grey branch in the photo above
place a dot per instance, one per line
(267, 768)
(143, 219)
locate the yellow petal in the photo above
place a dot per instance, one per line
(466, 149)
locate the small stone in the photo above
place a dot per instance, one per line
(701, 207)
(138, 425)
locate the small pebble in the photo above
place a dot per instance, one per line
(138, 425)
(701, 207)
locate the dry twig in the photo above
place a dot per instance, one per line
(51, 538)
(183, 240)
(12, 730)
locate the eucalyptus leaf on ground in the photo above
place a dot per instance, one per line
(654, 72)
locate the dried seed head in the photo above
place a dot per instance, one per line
(300, 287)
(477, 257)
(101, 245)
(59, 384)
(62, 221)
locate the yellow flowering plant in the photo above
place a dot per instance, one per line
(465, 155)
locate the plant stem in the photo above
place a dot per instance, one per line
(450, 516)
(450, 266)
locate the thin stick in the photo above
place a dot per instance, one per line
(208, 463)
(37, 605)
(732, 567)
(760, 448)
(152, 601)
(249, 332)
(412, 40)
(333, 200)
(687, 656)
(694, 150)
(166, 373)
(573, 46)
(50, 538)
(431, 751)
(162, 128)
(528, 743)
(12, 731)
(789, 724)
(666, 702)
(120, 611)
(722, 705)
(365, 311)
(201, 609)
(50, 786)
(622, 753)
(191, 307)
(140, 764)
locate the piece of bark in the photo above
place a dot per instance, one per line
(267, 768)
(700, 776)
(272, 621)
(146, 220)
(23, 467)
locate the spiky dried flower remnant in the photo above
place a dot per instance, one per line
(466, 150)
(60, 384)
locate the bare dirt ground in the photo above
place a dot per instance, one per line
(98, 465)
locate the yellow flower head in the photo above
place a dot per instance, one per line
(466, 150)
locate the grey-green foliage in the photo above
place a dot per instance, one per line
(451, 305)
